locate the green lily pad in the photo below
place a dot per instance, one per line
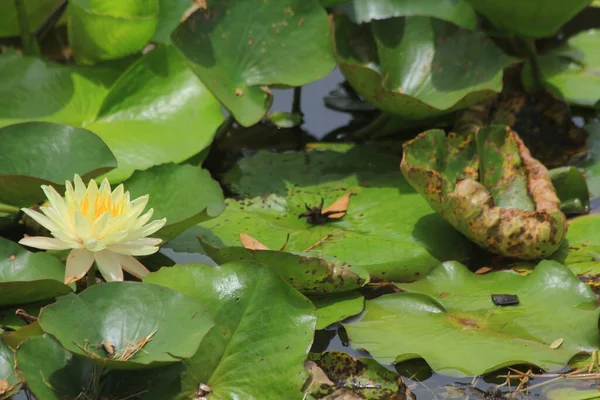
(363, 377)
(53, 373)
(110, 29)
(571, 189)
(156, 112)
(572, 394)
(202, 198)
(14, 339)
(308, 275)
(488, 187)
(29, 154)
(248, 354)
(238, 58)
(127, 325)
(37, 12)
(27, 277)
(10, 320)
(9, 383)
(537, 18)
(449, 319)
(458, 12)
(580, 250)
(337, 307)
(591, 166)
(388, 229)
(418, 67)
(572, 71)
(170, 12)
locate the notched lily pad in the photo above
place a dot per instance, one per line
(334, 370)
(9, 383)
(155, 326)
(308, 274)
(464, 333)
(27, 277)
(489, 188)
(337, 307)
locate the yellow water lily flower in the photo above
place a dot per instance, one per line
(99, 225)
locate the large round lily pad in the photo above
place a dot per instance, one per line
(37, 11)
(449, 319)
(29, 154)
(573, 70)
(53, 373)
(9, 383)
(418, 67)
(387, 230)
(202, 198)
(334, 308)
(263, 331)
(110, 29)
(239, 48)
(536, 18)
(27, 277)
(156, 112)
(309, 275)
(580, 250)
(489, 187)
(127, 325)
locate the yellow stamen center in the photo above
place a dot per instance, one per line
(101, 205)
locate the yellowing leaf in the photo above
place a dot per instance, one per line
(556, 344)
(340, 205)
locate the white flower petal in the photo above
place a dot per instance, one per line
(147, 230)
(45, 243)
(79, 262)
(137, 206)
(40, 219)
(82, 225)
(102, 225)
(93, 244)
(80, 188)
(114, 238)
(118, 194)
(133, 249)
(56, 201)
(141, 221)
(133, 266)
(104, 190)
(73, 243)
(109, 265)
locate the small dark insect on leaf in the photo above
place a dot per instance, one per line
(505, 299)
(316, 216)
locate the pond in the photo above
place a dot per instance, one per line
(289, 199)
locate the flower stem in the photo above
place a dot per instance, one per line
(5, 208)
(91, 276)
(30, 47)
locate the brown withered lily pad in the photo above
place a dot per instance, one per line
(488, 187)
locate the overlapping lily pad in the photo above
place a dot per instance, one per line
(29, 159)
(309, 275)
(387, 230)
(489, 187)
(537, 18)
(240, 48)
(110, 29)
(9, 383)
(27, 277)
(334, 308)
(53, 373)
(364, 377)
(127, 325)
(418, 67)
(573, 70)
(448, 318)
(202, 199)
(458, 12)
(572, 190)
(37, 12)
(156, 112)
(263, 331)
(581, 249)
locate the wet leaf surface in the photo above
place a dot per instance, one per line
(239, 74)
(537, 18)
(334, 308)
(29, 154)
(145, 116)
(9, 383)
(418, 67)
(307, 274)
(465, 334)
(27, 277)
(572, 71)
(364, 377)
(490, 188)
(156, 325)
(236, 296)
(458, 12)
(571, 188)
(202, 199)
(388, 230)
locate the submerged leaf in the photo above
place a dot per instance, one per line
(465, 334)
(489, 188)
